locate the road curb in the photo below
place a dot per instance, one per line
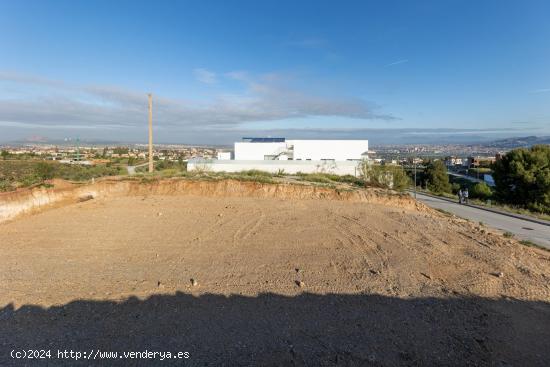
(517, 216)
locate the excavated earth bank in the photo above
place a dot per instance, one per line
(243, 273)
(13, 204)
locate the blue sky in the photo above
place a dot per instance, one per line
(391, 71)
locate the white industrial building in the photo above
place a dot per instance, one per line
(315, 150)
(274, 155)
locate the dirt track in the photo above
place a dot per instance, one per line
(280, 282)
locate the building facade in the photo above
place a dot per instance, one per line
(341, 157)
(315, 150)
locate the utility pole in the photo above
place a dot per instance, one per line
(414, 162)
(150, 132)
(78, 149)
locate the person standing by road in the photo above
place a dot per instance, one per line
(459, 193)
(465, 194)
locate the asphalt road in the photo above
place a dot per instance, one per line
(522, 229)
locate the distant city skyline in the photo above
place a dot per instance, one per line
(393, 72)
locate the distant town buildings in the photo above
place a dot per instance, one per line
(453, 161)
(480, 161)
(101, 154)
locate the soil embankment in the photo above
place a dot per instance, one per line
(13, 204)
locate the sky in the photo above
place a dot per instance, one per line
(388, 71)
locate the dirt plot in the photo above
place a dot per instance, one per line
(265, 281)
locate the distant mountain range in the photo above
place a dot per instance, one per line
(375, 136)
(519, 142)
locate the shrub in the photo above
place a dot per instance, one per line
(392, 177)
(5, 185)
(317, 177)
(481, 191)
(256, 172)
(44, 170)
(29, 180)
(455, 187)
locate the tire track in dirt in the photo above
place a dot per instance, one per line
(219, 226)
(248, 228)
(350, 229)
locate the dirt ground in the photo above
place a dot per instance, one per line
(259, 281)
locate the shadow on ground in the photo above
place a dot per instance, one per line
(305, 330)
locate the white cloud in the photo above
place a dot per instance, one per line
(398, 62)
(205, 76)
(238, 75)
(56, 104)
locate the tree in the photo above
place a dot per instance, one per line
(481, 191)
(438, 180)
(5, 154)
(44, 170)
(522, 177)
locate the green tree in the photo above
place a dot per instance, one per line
(522, 178)
(481, 191)
(45, 170)
(5, 154)
(436, 175)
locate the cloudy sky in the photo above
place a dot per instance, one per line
(392, 72)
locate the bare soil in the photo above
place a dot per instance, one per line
(271, 281)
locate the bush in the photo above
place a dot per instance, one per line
(44, 170)
(82, 173)
(481, 191)
(331, 178)
(392, 177)
(166, 164)
(455, 187)
(357, 181)
(5, 185)
(316, 177)
(30, 180)
(255, 172)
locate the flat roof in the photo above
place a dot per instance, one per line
(264, 140)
